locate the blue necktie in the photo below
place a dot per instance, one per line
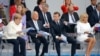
(46, 21)
(72, 18)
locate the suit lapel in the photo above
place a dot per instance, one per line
(75, 16)
(91, 7)
(32, 23)
(39, 25)
(67, 17)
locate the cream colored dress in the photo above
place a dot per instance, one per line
(81, 28)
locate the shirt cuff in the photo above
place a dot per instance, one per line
(57, 36)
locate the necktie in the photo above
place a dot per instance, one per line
(46, 21)
(59, 28)
(58, 25)
(72, 18)
(37, 26)
(99, 15)
(94, 8)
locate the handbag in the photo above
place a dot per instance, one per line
(90, 35)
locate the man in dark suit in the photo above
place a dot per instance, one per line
(37, 37)
(70, 18)
(45, 16)
(38, 8)
(91, 7)
(95, 16)
(59, 34)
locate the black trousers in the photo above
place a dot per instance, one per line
(70, 40)
(74, 45)
(38, 42)
(19, 48)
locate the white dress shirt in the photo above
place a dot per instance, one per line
(45, 17)
(36, 24)
(71, 18)
(94, 7)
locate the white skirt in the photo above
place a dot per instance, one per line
(82, 37)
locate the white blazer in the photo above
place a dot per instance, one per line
(12, 29)
(81, 28)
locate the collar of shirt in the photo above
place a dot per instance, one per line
(36, 24)
(94, 7)
(34, 21)
(70, 18)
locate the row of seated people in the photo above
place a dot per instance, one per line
(51, 24)
(14, 34)
(64, 18)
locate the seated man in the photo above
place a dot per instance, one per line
(37, 37)
(59, 34)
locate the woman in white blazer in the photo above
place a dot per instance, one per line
(85, 33)
(13, 35)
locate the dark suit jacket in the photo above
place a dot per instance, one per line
(36, 8)
(28, 15)
(33, 33)
(41, 18)
(57, 30)
(65, 17)
(41, 15)
(94, 18)
(89, 10)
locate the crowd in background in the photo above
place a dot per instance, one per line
(68, 27)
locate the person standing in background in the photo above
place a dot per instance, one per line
(45, 17)
(66, 4)
(91, 7)
(22, 1)
(5, 6)
(38, 8)
(95, 16)
(13, 8)
(2, 14)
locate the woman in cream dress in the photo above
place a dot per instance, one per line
(83, 31)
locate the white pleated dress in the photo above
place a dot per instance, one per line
(81, 28)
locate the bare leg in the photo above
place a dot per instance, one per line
(28, 46)
(93, 44)
(89, 41)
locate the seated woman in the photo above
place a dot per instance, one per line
(13, 35)
(85, 33)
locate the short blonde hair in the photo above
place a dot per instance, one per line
(82, 17)
(17, 16)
